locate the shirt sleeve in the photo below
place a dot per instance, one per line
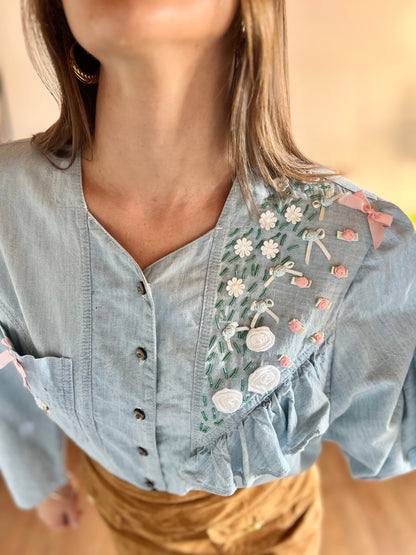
(373, 361)
(32, 446)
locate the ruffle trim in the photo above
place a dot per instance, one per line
(261, 446)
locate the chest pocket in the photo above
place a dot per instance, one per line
(49, 380)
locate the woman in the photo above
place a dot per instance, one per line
(239, 350)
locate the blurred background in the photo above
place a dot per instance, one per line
(353, 92)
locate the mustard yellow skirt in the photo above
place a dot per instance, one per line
(283, 517)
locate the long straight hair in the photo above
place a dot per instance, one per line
(261, 138)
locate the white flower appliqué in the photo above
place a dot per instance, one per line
(235, 286)
(260, 339)
(269, 249)
(267, 220)
(243, 247)
(293, 214)
(263, 379)
(228, 400)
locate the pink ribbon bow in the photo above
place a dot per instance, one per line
(376, 220)
(6, 357)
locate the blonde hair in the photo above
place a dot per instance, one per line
(261, 139)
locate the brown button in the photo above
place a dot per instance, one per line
(141, 353)
(142, 451)
(139, 414)
(150, 484)
(141, 288)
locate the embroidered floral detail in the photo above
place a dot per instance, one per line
(260, 339)
(301, 282)
(269, 249)
(229, 331)
(347, 235)
(263, 379)
(339, 271)
(235, 286)
(296, 326)
(317, 337)
(323, 303)
(314, 236)
(293, 214)
(281, 270)
(227, 400)
(285, 361)
(260, 307)
(267, 220)
(243, 247)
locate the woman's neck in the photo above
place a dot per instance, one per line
(162, 124)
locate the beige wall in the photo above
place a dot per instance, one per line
(30, 106)
(353, 87)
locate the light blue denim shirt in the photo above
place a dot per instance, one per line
(149, 371)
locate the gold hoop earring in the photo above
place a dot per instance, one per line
(83, 76)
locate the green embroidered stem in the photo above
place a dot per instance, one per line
(233, 374)
(224, 271)
(217, 385)
(208, 372)
(292, 247)
(204, 400)
(242, 385)
(249, 365)
(226, 255)
(225, 373)
(212, 342)
(236, 230)
(282, 240)
(226, 357)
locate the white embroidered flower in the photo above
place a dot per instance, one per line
(235, 286)
(260, 339)
(267, 220)
(293, 214)
(263, 379)
(269, 249)
(243, 247)
(228, 400)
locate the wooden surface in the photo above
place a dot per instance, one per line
(360, 517)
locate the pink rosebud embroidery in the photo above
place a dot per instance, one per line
(296, 326)
(302, 282)
(348, 235)
(323, 303)
(339, 271)
(317, 337)
(285, 361)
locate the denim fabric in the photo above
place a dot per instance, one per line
(336, 354)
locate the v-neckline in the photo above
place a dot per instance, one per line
(222, 220)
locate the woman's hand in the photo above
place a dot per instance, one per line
(61, 509)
